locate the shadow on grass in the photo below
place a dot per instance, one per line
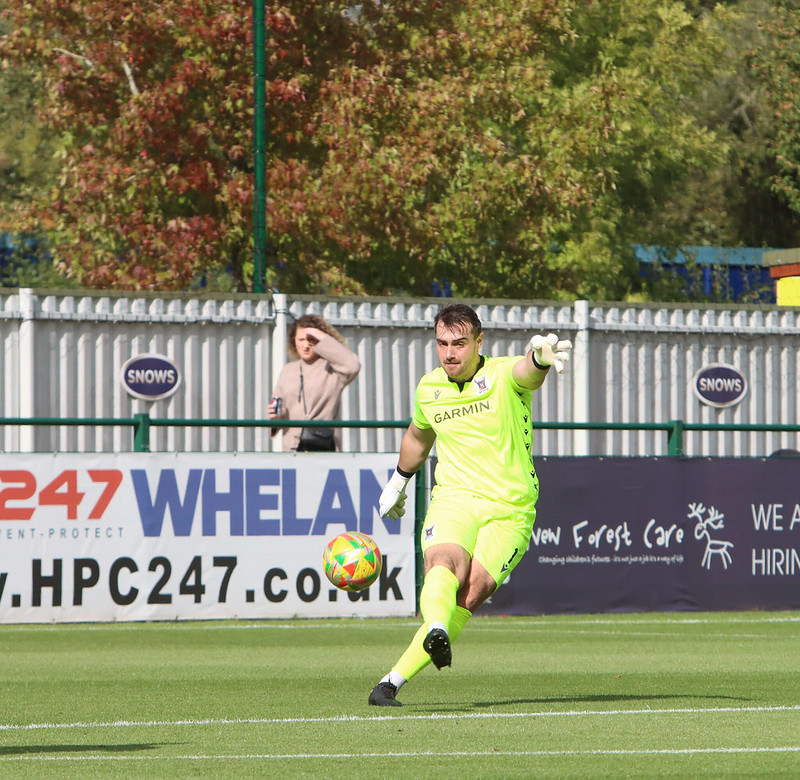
(441, 707)
(21, 750)
(606, 697)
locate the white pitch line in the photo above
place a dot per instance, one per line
(423, 754)
(384, 718)
(494, 623)
(633, 634)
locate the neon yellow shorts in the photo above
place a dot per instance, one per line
(495, 534)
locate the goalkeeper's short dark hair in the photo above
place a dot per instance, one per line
(459, 315)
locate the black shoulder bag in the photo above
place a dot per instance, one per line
(314, 439)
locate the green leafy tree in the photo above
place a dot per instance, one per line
(514, 148)
(27, 168)
(426, 169)
(733, 203)
(652, 58)
(779, 63)
(26, 150)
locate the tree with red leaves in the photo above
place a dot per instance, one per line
(151, 103)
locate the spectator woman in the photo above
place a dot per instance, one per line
(310, 386)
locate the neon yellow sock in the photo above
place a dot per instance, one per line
(456, 625)
(437, 600)
(415, 659)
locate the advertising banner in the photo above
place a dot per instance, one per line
(140, 536)
(660, 534)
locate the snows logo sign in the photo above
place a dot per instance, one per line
(720, 385)
(150, 377)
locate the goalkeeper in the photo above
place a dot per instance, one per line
(478, 526)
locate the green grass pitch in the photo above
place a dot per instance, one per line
(667, 695)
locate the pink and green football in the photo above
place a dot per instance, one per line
(352, 561)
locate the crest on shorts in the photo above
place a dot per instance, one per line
(429, 532)
(481, 383)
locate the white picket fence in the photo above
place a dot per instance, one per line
(632, 363)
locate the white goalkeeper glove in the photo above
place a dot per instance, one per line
(550, 351)
(392, 502)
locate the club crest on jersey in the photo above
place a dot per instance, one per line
(481, 383)
(429, 532)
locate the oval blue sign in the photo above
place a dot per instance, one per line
(150, 377)
(720, 385)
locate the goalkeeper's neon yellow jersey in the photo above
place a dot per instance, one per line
(484, 437)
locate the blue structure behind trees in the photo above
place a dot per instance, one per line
(688, 273)
(717, 274)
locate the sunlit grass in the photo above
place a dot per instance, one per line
(683, 695)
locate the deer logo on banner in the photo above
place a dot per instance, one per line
(710, 519)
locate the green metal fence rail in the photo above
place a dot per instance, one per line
(143, 423)
(673, 428)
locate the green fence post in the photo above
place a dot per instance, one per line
(675, 438)
(141, 433)
(259, 146)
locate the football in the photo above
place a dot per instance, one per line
(352, 561)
